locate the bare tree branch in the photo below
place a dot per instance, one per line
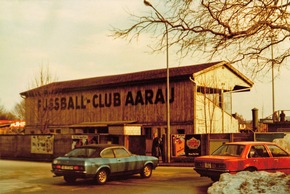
(239, 30)
(41, 88)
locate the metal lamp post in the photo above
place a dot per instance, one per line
(273, 76)
(168, 152)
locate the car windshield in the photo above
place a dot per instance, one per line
(229, 150)
(85, 153)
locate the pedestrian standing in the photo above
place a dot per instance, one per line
(282, 116)
(156, 151)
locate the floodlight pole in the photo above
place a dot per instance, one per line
(168, 147)
(273, 77)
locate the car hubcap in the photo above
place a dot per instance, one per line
(102, 176)
(147, 171)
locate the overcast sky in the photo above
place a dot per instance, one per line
(73, 38)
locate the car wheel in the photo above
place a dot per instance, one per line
(146, 171)
(251, 169)
(102, 176)
(215, 178)
(70, 179)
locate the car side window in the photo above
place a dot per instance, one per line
(121, 153)
(276, 151)
(93, 153)
(107, 153)
(258, 151)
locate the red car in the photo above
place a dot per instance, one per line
(233, 157)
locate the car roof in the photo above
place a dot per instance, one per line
(250, 142)
(103, 146)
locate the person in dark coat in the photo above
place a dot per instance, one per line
(282, 116)
(156, 151)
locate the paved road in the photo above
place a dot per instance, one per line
(35, 177)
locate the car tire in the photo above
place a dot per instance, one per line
(251, 169)
(146, 172)
(215, 178)
(102, 177)
(69, 179)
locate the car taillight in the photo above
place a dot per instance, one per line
(65, 167)
(79, 168)
(57, 166)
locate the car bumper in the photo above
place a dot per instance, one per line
(210, 172)
(78, 174)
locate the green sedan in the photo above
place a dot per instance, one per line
(100, 161)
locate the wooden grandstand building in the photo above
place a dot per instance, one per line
(134, 104)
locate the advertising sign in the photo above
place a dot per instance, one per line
(178, 144)
(192, 145)
(42, 144)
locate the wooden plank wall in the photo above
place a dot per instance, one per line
(113, 104)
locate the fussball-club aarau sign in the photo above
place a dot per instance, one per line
(102, 100)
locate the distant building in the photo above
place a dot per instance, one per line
(12, 127)
(275, 123)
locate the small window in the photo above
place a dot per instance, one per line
(121, 153)
(102, 130)
(180, 131)
(89, 130)
(148, 132)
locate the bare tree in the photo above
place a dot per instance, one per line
(19, 110)
(241, 31)
(4, 114)
(41, 88)
(42, 77)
